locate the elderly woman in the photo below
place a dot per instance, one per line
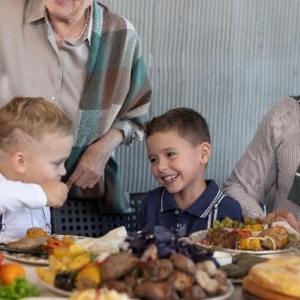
(86, 60)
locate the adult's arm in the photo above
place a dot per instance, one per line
(255, 173)
(92, 162)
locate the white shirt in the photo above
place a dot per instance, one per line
(22, 206)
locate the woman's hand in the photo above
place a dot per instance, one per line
(284, 216)
(92, 162)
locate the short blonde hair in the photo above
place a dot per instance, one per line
(34, 117)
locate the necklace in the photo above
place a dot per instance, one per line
(48, 226)
(87, 19)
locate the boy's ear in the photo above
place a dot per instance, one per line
(205, 152)
(18, 162)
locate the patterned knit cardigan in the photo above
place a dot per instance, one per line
(116, 87)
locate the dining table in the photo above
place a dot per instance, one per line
(51, 294)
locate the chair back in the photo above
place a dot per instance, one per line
(83, 217)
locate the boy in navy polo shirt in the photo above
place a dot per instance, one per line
(179, 148)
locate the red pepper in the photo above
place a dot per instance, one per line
(245, 233)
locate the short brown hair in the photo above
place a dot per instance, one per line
(32, 116)
(188, 123)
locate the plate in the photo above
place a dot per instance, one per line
(43, 298)
(32, 259)
(223, 258)
(54, 289)
(236, 280)
(68, 294)
(27, 258)
(195, 236)
(249, 296)
(225, 296)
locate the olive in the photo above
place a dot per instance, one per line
(65, 281)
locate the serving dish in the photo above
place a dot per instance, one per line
(27, 258)
(54, 289)
(35, 259)
(249, 296)
(43, 298)
(197, 236)
(68, 294)
(223, 258)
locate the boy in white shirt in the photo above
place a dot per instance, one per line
(36, 138)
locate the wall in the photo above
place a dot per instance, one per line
(229, 59)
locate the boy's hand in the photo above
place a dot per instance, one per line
(56, 192)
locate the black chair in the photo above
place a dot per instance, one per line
(83, 217)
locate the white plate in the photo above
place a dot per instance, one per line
(54, 289)
(66, 293)
(35, 260)
(223, 258)
(195, 236)
(225, 296)
(44, 298)
(27, 258)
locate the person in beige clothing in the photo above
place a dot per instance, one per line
(271, 162)
(86, 60)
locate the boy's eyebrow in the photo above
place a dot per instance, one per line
(164, 150)
(169, 149)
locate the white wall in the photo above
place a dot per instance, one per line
(229, 59)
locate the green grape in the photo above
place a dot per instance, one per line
(235, 224)
(210, 230)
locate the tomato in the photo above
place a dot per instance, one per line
(245, 233)
(10, 272)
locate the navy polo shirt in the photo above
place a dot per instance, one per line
(159, 208)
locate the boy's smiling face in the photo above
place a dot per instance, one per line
(176, 163)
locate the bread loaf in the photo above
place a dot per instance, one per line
(275, 279)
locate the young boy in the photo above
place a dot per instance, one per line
(178, 145)
(35, 140)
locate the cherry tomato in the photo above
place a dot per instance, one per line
(245, 233)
